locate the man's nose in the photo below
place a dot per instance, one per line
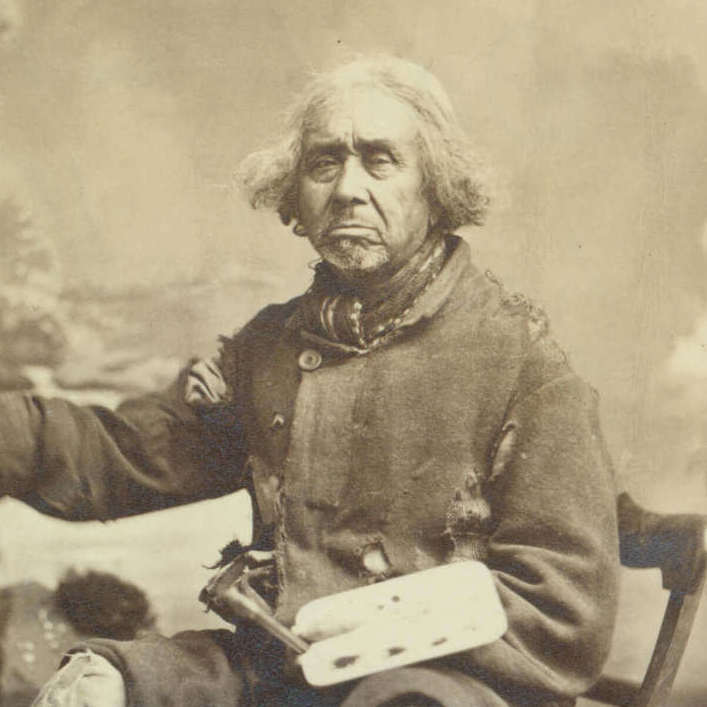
(352, 183)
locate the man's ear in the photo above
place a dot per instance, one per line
(435, 218)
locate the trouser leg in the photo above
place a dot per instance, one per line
(246, 669)
(191, 669)
(422, 687)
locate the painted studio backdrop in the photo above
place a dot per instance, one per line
(125, 249)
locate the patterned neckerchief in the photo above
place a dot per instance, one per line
(336, 312)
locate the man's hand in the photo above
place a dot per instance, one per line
(317, 627)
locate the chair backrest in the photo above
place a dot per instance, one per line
(677, 545)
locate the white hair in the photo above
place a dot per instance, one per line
(450, 168)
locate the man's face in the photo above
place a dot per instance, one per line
(360, 184)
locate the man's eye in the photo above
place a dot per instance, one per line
(379, 159)
(323, 168)
(324, 162)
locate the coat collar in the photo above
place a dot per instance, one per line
(427, 306)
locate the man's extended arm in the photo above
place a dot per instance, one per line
(154, 452)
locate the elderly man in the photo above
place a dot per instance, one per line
(404, 412)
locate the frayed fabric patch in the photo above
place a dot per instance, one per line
(504, 449)
(205, 385)
(538, 322)
(467, 521)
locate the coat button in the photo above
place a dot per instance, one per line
(309, 360)
(278, 421)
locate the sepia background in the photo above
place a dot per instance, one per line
(125, 249)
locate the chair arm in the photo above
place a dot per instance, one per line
(676, 543)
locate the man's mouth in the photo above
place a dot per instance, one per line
(354, 231)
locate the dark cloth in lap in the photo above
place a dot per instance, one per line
(249, 669)
(210, 668)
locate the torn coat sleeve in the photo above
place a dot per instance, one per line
(554, 550)
(153, 452)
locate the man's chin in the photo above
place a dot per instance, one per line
(356, 261)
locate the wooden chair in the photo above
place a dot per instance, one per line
(677, 545)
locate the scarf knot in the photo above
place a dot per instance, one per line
(336, 311)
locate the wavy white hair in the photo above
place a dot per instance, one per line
(451, 170)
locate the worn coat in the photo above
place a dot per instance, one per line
(464, 433)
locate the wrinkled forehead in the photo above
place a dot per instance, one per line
(361, 113)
